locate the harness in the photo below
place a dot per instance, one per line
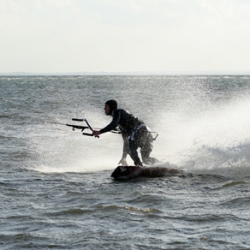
(134, 130)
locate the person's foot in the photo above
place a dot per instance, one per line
(140, 166)
(150, 161)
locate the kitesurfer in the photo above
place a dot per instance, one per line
(134, 132)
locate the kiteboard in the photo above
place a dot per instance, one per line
(131, 172)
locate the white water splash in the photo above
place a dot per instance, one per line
(218, 137)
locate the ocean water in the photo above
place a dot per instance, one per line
(56, 189)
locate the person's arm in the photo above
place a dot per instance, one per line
(114, 123)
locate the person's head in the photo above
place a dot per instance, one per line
(110, 106)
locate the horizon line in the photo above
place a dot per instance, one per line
(210, 72)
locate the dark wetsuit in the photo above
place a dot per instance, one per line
(135, 134)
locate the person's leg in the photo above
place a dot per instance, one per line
(146, 149)
(135, 142)
(133, 146)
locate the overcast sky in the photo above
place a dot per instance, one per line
(124, 35)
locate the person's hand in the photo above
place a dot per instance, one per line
(123, 162)
(96, 133)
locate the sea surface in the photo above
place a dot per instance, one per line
(55, 186)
